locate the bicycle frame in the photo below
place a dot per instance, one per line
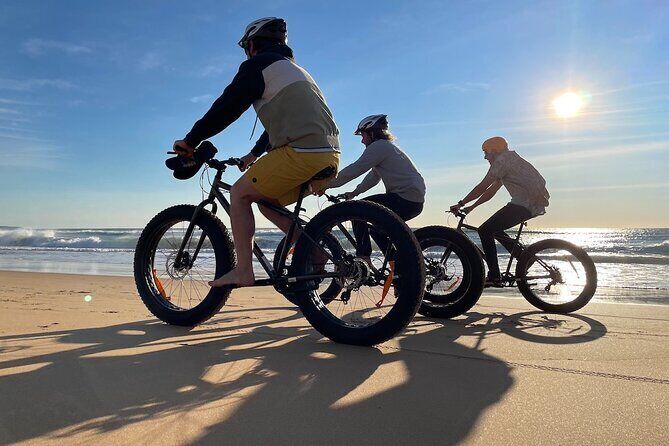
(513, 253)
(276, 277)
(516, 242)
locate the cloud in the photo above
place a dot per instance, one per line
(470, 173)
(75, 102)
(612, 187)
(37, 47)
(31, 155)
(460, 87)
(20, 137)
(554, 160)
(212, 70)
(15, 102)
(217, 66)
(459, 174)
(202, 98)
(17, 131)
(13, 119)
(597, 139)
(9, 111)
(33, 84)
(150, 61)
(643, 37)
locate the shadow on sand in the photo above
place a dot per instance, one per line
(287, 387)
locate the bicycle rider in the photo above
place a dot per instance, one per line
(529, 198)
(405, 187)
(300, 137)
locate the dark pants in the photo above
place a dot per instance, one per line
(507, 217)
(405, 209)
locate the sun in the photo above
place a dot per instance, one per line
(568, 105)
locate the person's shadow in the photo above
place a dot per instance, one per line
(411, 394)
(290, 387)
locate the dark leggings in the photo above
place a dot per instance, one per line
(507, 217)
(405, 209)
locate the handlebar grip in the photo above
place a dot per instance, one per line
(232, 162)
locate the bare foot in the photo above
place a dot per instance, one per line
(235, 278)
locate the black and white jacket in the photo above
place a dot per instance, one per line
(288, 102)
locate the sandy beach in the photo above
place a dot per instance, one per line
(105, 371)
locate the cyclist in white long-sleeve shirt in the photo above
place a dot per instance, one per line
(405, 187)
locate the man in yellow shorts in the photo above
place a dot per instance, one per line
(300, 135)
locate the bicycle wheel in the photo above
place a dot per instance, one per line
(556, 276)
(454, 272)
(176, 290)
(380, 294)
(329, 288)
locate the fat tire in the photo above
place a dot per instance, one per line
(412, 275)
(580, 254)
(225, 261)
(468, 293)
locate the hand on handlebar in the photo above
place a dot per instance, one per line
(183, 149)
(455, 208)
(460, 211)
(247, 161)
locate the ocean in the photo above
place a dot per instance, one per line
(632, 264)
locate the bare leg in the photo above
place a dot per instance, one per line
(282, 222)
(242, 195)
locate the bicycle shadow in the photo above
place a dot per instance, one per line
(288, 386)
(532, 326)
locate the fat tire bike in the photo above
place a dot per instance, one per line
(554, 275)
(185, 246)
(454, 272)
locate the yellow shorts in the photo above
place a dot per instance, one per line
(280, 173)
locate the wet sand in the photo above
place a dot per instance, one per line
(106, 371)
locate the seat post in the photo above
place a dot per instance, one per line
(291, 230)
(517, 241)
(520, 229)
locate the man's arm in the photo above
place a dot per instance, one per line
(247, 86)
(371, 157)
(485, 196)
(478, 190)
(262, 145)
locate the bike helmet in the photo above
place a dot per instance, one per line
(495, 144)
(373, 122)
(273, 28)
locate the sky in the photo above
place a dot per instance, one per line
(92, 95)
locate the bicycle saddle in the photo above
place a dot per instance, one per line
(325, 173)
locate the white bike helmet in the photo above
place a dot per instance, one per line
(373, 122)
(269, 27)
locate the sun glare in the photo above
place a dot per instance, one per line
(568, 105)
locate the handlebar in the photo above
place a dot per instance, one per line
(335, 198)
(233, 162)
(458, 214)
(222, 164)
